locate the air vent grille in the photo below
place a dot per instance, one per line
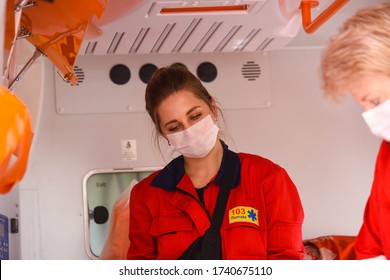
(138, 40)
(265, 44)
(79, 74)
(251, 71)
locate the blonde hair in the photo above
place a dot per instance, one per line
(361, 48)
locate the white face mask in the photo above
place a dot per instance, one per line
(378, 120)
(195, 141)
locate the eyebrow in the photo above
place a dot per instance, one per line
(188, 113)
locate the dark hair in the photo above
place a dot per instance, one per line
(167, 81)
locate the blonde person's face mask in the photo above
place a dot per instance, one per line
(195, 141)
(378, 120)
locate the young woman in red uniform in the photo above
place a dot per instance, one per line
(357, 62)
(172, 207)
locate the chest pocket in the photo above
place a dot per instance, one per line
(173, 234)
(170, 224)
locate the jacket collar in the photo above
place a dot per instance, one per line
(172, 174)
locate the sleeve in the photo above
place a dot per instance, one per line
(284, 217)
(142, 243)
(368, 243)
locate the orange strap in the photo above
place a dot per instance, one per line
(15, 139)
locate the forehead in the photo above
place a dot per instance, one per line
(178, 104)
(378, 84)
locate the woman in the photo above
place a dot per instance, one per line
(172, 207)
(357, 62)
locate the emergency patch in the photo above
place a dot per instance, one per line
(244, 214)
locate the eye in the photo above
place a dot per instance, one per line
(371, 100)
(195, 117)
(173, 128)
(375, 101)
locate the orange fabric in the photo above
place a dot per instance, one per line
(15, 139)
(57, 29)
(117, 243)
(331, 247)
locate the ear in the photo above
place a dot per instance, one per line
(214, 109)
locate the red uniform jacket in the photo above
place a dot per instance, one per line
(263, 218)
(374, 236)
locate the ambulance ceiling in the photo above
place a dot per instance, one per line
(65, 29)
(193, 27)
